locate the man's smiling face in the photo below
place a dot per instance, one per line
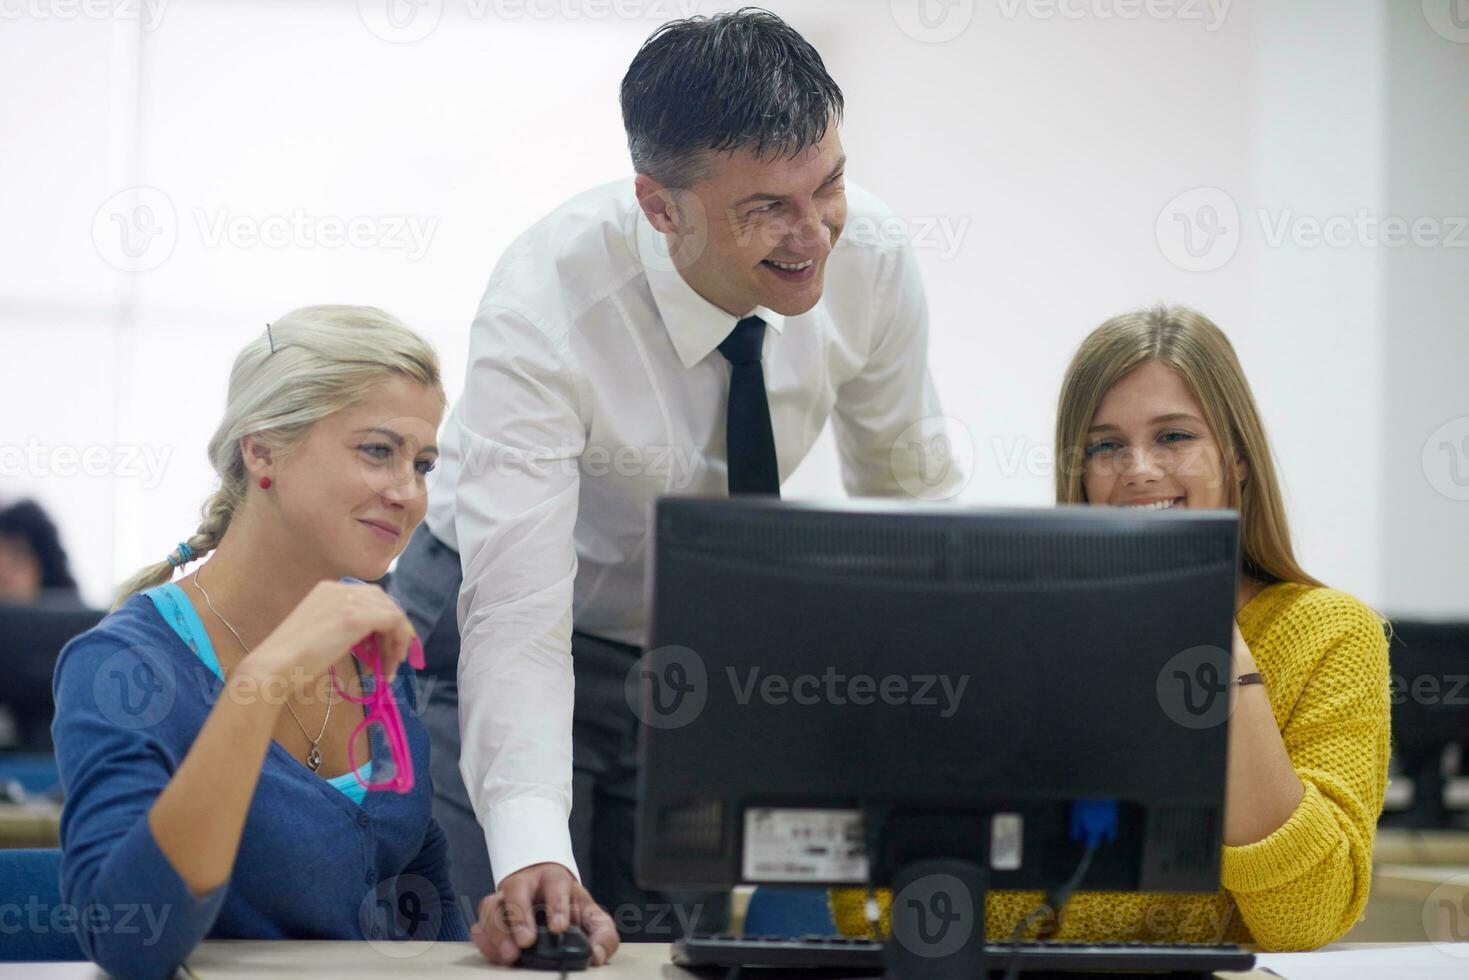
(756, 232)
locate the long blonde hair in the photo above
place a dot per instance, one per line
(307, 365)
(1198, 350)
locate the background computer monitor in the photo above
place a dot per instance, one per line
(31, 638)
(1092, 646)
(1430, 712)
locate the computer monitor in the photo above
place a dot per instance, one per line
(1430, 712)
(848, 695)
(31, 638)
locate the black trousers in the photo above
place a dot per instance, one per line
(604, 752)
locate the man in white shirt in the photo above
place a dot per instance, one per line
(687, 332)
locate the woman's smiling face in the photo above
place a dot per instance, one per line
(354, 490)
(1149, 446)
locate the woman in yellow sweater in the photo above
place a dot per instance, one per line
(1155, 411)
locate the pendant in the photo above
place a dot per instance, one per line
(313, 759)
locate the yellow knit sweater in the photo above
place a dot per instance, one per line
(1323, 655)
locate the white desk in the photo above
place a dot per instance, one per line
(354, 961)
(252, 960)
(351, 961)
(1372, 961)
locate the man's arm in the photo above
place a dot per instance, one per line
(515, 505)
(889, 426)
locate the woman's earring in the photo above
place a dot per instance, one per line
(265, 483)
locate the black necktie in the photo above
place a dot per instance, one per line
(749, 439)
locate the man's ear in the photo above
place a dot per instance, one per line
(657, 203)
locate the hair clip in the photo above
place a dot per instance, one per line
(269, 338)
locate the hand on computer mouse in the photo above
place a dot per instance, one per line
(567, 951)
(507, 921)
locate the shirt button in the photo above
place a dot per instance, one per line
(362, 820)
(371, 876)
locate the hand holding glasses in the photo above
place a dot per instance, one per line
(381, 720)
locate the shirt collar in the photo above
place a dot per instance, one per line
(696, 326)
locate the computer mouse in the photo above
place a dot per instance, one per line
(569, 951)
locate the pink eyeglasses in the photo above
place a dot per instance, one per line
(381, 719)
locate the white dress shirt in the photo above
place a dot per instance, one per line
(593, 387)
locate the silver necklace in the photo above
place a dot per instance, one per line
(313, 757)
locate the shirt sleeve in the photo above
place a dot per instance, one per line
(113, 767)
(1304, 885)
(890, 429)
(515, 506)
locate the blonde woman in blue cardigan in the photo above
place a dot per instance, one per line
(202, 741)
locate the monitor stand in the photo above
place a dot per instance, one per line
(938, 927)
(937, 864)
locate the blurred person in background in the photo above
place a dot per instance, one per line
(33, 564)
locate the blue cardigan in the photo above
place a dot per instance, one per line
(312, 864)
(174, 606)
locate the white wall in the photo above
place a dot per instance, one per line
(1032, 154)
(1313, 343)
(1424, 464)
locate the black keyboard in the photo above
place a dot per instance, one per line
(836, 952)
